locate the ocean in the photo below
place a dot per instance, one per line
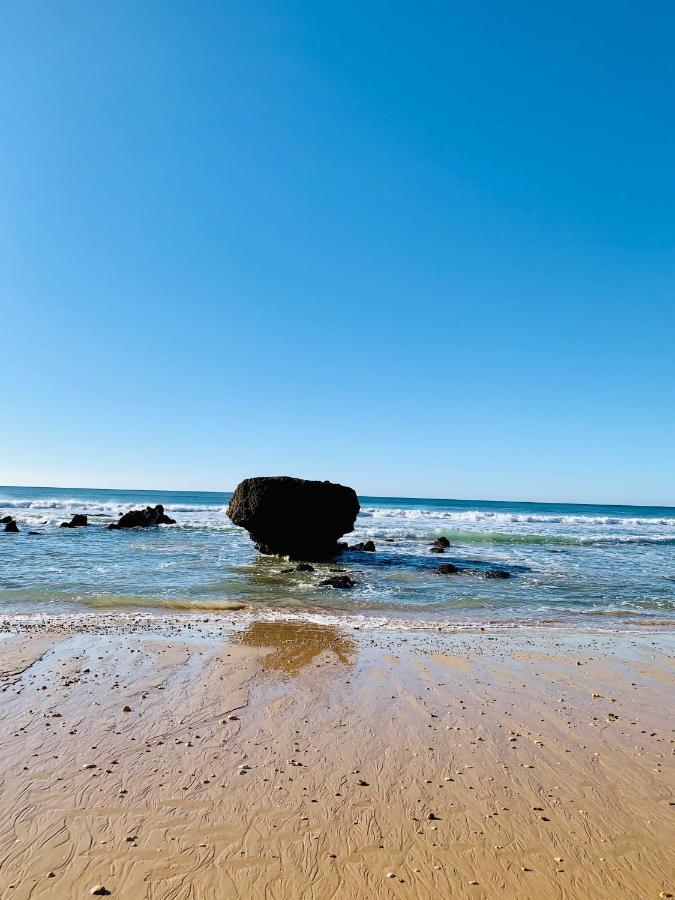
(600, 567)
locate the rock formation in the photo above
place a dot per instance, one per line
(364, 546)
(294, 517)
(78, 521)
(143, 518)
(447, 569)
(338, 581)
(439, 545)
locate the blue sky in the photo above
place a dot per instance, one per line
(424, 249)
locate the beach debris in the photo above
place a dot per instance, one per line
(143, 518)
(126, 709)
(294, 517)
(79, 520)
(391, 874)
(338, 581)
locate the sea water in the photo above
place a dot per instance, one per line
(596, 566)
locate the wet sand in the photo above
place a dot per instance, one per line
(219, 757)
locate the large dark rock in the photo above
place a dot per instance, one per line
(294, 517)
(79, 520)
(6, 520)
(143, 518)
(10, 526)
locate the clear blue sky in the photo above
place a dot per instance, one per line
(423, 249)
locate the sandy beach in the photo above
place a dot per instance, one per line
(204, 758)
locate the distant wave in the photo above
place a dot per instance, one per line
(497, 537)
(477, 516)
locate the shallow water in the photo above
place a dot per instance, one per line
(603, 566)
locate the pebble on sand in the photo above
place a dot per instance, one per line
(100, 891)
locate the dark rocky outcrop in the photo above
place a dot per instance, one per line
(440, 544)
(78, 521)
(450, 569)
(6, 520)
(495, 573)
(447, 569)
(10, 526)
(338, 581)
(143, 518)
(364, 547)
(294, 517)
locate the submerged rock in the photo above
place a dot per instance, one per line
(338, 581)
(294, 517)
(143, 518)
(450, 569)
(447, 569)
(79, 520)
(10, 525)
(495, 573)
(440, 544)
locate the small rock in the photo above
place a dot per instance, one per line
(446, 569)
(338, 581)
(78, 521)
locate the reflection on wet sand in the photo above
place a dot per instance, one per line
(296, 644)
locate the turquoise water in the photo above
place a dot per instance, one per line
(605, 566)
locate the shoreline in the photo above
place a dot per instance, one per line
(239, 615)
(186, 756)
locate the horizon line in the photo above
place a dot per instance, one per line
(373, 496)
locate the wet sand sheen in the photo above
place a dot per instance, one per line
(183, 758)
